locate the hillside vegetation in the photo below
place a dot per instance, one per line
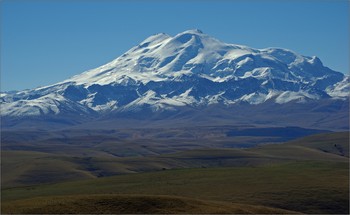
(308, 187)
(47, 166)
(134, 204)
(309, 175)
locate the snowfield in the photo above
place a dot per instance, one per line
(188, 69)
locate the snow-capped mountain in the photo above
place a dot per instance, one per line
(188, 69)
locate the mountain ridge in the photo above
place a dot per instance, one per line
(164, 73)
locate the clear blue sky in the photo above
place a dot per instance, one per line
(44, 42)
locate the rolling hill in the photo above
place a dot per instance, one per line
(24, 166)
(307, 187)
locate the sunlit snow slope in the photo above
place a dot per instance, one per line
(189, 69)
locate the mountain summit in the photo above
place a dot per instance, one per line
(189, 69)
